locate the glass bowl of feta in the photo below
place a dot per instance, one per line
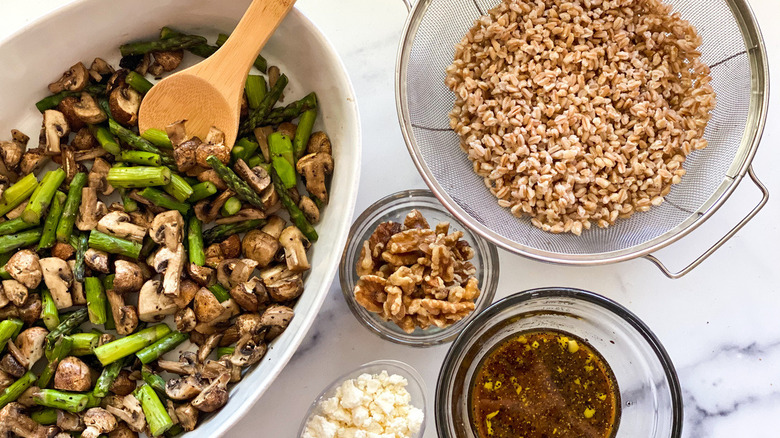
(385, 397)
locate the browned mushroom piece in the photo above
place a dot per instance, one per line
(127, 409)
(211, 176)
(315, 169)
(120, 224)
(206, 306)
(72, 375)
(84, 141)
(250, 324)
(24, 266)
(188, 416)
(124, 103)
(11, 152)
(128, 277)
(208, 209)
(96, 260)
(69, 422)
(98, 180)
(100, 68)
(88, 110)
(14, 422)
(250, 294)
(281, 283)
(232, 272)
(125, 316)
(185, 388)
(231, 247)
(249, 350)
(98, 421)
(27, 348)
(203, 275)
(32, 160)
(243, 215)
(153, 304)
(58, 278)
(257, 178)
(15, 292)
(166, 61)
(295, 245)
(122, 385)
(28, 313)
(261, 134)
(184, 154)
(205, 349)
(319, 142)
(205, 150)
(90, 210)
(260, 247)
(62, 250)
(187, 291)
(214, 396)
(270, 199)
(55, 127)
(177, 133)
(122, 431)
(288, 129)
(66, 107)
(11, 366)
(5, 380)
(171, 265)
(143, 66)
(185, 320)
(75, 79)
(276, 318)
(187, 364)
(309, 209)
(167, 229)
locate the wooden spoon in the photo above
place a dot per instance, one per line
(209, 93)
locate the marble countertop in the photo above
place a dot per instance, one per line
(719, 324)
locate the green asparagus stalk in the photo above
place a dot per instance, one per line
(115, 350)
(141, 157)
(222, 232)
(221, 351)
(154, 380)
(172, 43)
(179, 188)
(174, 431)
(195, 240)
(156, 416)
(148, 246)
(254, 160)
(106, 140)
(138, 176)
(258, 115)
(71, 208)
(8, 329)
(49, 313)
(55, 354)
(163, 200)
(107, 377)
(80, 267)
(110, 322)
(84, 343)
(255, 89)
(243, 191)
(230, 207)
(4, 275)
(20, 240)
(67, 401)
(202, 50)
(243, 149)
(96, 300)
(17, 193)
(52, 219)
(14, 226)
(158, 138)
(45, 416)
(50, 102)
(260, 62)
(292, 111)
(114, 245)
(130, 205)
(161, 346)
(16, 389)
(303, 133)
(42, 196)
(137, 142)
(296, 215)
(202, 191)
(138, 82)
(66, 326)
(282, 158)
(220, 292)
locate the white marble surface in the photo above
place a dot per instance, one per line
(719, 324)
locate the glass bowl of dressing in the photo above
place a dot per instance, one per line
(561, 362)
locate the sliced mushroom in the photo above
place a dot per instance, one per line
(166, 61)
(281, 283)
(213, 396)
(90, 210)
(5, 380)
(72, 375)
(188, 416)
(100, 68)
(211, 176)
(315, 169)
(14, 422)
(260, 247)
(187, 291)
(11, 153)
(276, 318)
(67, 110)
(120, 224)
(122, 385)
(55, 127)
(249, 324)
(184, 154)
(3, 299)
(205, 349)
(58, 277)
(153, 304)
(248, 351)
(270, 200)
(257, 178)
(309, 209)
(29, 345)
(75, 79)
(124, 103)
(29, 313)
(127, 409)
(208, 209)
(90, 154)
(171, 265)
(16, 212)
(128, 277)
(177, 133)
(24, 267)
(319, 142)
(98, 421)
(69, 421)
(243, 215)
(125, 316)
(15, 292)
(205, 150)
(185, 320)
(167, 229)
(97, 260)
(10, 365)
(232, 272)
(187, 364)
(184, 388)
(203, 275)
(32, 160)
(250, 295)
(121, 431)
(88, 110)
(295, 244)
(98, 178)
(206, 306)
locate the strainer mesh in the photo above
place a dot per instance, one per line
(444, 22)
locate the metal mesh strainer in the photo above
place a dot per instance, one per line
(734, 50)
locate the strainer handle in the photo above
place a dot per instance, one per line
(723, 240)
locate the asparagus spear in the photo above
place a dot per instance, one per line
(202, 50)
(41, 197)
(17, 193)
(221, 351)
(49, 313)
(8, 329)
(161, 199)
(16, 389)
(168, 44)
(255, 89)
(201, 191)
(67, 326)
(108, 284)
(179, 188)
(220, 292)
(71, 208)
(161, 346)
(52, 219)
(68, 401)
(254, 161)
(137, 142)
(222, 232)
(174, 431)
(141, 157)
(158, 138)
(14, 226)
(260, 62)
(195, 239)
(84, 343)
(96, 300)
(303, 133)
(233, 181)
(138, 82)
(55, 354)
(114, 245)
(292, 111)
(46, 416)
(115, 350)
(230, 207)
(243, 149)
(154, 380)
(138, 176)
(80, 266)
(130, 205)
(296, 215)
(52, 101)
(20, 240)
(107, 377)
(106, 140)
(282, 158)
(259, 114)
(156, 416)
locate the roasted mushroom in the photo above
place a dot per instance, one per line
(184, 388)
(128, 277)
(90, 210)
(58, 278)
(75, 79)
(15, 292)
(125, 316)
(100, 68)
(309, 209)
(295, 244)
(206, 306)
(55, 127)
(188, 416)
(167, 229)
(32, 160)
(166, 61)
(127, 409)
(124, 103)
(257, 178)
(98, 421)
(96, 260)
(24, 267)
(213, 396)
(14, 422)
(153, 304)
(171, 265)
(69, 421)
(276, 318)
(203, 275)
(88, 110)
(97, 178)
(72, 375)
(28, 346)
(281, 283)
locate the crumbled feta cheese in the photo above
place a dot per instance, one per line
(371, 406)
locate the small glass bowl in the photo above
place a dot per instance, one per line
(395, 207)
(651, 401)
(416, 388)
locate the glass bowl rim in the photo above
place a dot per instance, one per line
(449, 364)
